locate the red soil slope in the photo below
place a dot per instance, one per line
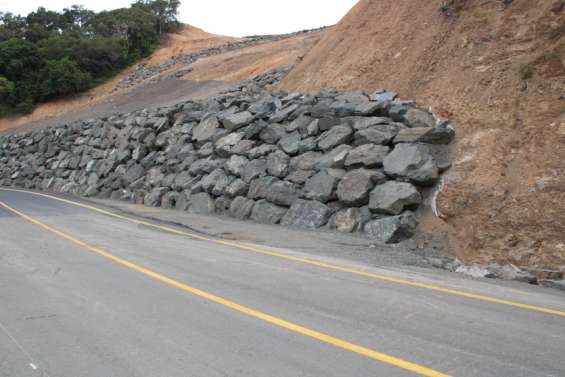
(504, 198)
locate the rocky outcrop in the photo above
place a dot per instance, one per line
(339, 161)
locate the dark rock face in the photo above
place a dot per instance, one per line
(348, 162)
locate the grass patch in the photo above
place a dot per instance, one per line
(527, 71)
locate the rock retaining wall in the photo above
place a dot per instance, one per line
(349, 162)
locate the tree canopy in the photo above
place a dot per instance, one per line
(47, 54)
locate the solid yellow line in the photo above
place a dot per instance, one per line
(418, 369)
(329, 266)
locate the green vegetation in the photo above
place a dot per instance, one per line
(527, 71)
(49, 54)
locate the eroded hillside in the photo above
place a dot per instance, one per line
(504, 197)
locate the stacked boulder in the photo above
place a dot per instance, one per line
(349, 162)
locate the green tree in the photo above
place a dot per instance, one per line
(62, 77)
(6, 88)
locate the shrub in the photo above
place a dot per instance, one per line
(527, 71)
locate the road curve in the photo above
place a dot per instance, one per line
(83, 293)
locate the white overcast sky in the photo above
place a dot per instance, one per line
(228, 17)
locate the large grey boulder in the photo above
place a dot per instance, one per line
(153, 199)
(217, 177)
(277, 164)
(354, 187)
(201, 203)
(133, 173)
(224, 145)
(278, 192)
(306, 161)
(349, 219)
(368, 155)
(300, 176)
(428, 135)
(377, 134)
(322, 186)
(307, 214)
(236, 165)
(393, 197)
(254, 169)
(241, 207)
(233, 121)
(418, 118)
(206, 129)
(334, 158)
(392, 229)
(267, 213)
(334, 137)
(236, 188)
(413, 162)
(273, 133)
(290, 144)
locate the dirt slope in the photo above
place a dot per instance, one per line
(504, 198)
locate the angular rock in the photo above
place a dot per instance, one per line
(428, 135)
(334, 137)
(267, 213)
(153, 199)
(276, 191)
(290, 143)
(306, 161)
(349, 220)
(412, 162)
(133, 173)
(307, 214)
(201, 203)
(377, 134)
(277, 164)
(418, 118)
(206, 129)
(241, 208)
(254, 169)
(236, 188)
(392, 229)
(394, 197)
(322, 186)
(334, 158)
(236, 165)
(354, 187)
(232, 122)
(367, 155)
(300, 176)
(272, 133)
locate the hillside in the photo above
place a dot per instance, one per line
(504, 198)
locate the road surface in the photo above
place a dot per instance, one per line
(91, 293)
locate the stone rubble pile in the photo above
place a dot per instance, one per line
(144, 71)
(349, 162)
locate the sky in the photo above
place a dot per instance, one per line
(227, 17)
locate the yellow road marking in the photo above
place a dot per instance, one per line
(418, 369)
(329, 266)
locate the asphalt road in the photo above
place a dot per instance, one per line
(87, 294)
